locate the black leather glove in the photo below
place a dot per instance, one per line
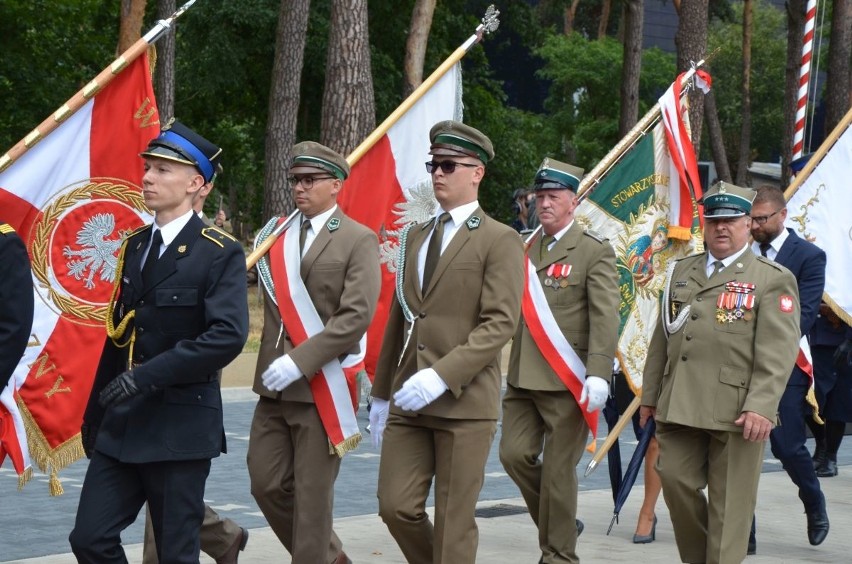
(843, 354)
(121, 389)
(88, 435)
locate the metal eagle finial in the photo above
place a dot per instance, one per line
(490, 23)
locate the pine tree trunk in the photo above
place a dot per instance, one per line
(691, 42)
(348, 106)
(717, 143)
(631, 65)
(838, 90)
(164, 72)
(130, 27)
(795, 29)
(606, 8)
(745, 133)
(284, 104)
(415, 46)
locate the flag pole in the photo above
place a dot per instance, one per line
(489, 24)
(91, 89)
(591, 180)
(819, 154)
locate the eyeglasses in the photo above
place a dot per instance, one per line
(306, 181)
(762, 219)
(448, 167)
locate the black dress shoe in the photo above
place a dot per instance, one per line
(580, 527)
(752, 538)
(827, 468)
(817, 527)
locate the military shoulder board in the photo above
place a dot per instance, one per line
(595, 235)
(5, 228)
(217, 235)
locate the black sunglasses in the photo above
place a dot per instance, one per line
(448, 167)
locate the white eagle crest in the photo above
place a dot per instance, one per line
(419, 207)
(98, 253)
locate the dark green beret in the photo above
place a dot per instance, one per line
(556, 175)
(314, 155)
(455, 139)
(728, 200)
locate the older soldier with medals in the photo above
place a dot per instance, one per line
(717, 367)
(178, 314)
(561, 360)
(436, 392)
(322, 282)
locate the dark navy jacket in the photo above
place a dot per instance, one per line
(190, 323)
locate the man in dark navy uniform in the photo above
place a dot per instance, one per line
(16, 302)
(177, 316)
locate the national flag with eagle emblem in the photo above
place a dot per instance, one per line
(72, 197)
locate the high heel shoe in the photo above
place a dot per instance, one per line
(645, 539)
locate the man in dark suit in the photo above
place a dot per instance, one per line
(552, 399)
(807, 263)
(177, 315)
(322, 281)
(461, 282)
(716, 369)
(16, 302)
(222, 539)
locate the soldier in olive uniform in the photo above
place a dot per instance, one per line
(462, 280)
(322, 280)
(545, 399)
(178, 314)
(717, 366)
(16, 302)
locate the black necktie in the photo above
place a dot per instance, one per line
(764, 248)
(303, 234)
(433, 252)
(153, 256)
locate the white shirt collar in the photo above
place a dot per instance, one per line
(726, 262)
(459, 214)
(560, 233)
(775, 245)
(320, 219)
(170, 230)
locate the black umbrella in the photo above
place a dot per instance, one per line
(613, 455)
(632, 469)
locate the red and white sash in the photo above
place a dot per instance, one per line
(554, 347)
(333, 387)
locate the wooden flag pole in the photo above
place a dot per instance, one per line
(488, 25)
(88, 92)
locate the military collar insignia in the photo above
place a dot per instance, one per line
(181, 249)
(333, 224)
(473, 222)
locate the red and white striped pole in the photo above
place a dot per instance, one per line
(804, 80)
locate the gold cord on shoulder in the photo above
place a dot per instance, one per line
(117, 333)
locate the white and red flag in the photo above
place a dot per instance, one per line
(389, 187)
(71, 198)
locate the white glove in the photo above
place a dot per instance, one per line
(420, 390)
(378, 419)
(280, 373)
(596, 390)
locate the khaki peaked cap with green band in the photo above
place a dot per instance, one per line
(179, 143)
(556, 175)
(727, 200)
(455, 139)
(313, 155)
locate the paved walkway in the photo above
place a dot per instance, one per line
(511, 538)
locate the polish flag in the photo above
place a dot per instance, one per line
(72, 197)
(388, 188)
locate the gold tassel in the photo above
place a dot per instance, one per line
(347, 445)
(25, 477)
(811, 399)
(679, 232)
(55, 485)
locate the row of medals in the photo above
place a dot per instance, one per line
(737, 302)
(557, 276)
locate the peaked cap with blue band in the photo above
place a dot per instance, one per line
(727, 200)
(179, 143)
(556, 175)
(456, 139)
(313, 155)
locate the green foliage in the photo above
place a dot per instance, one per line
(768, 56)
(49, 51)
(584, 102)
